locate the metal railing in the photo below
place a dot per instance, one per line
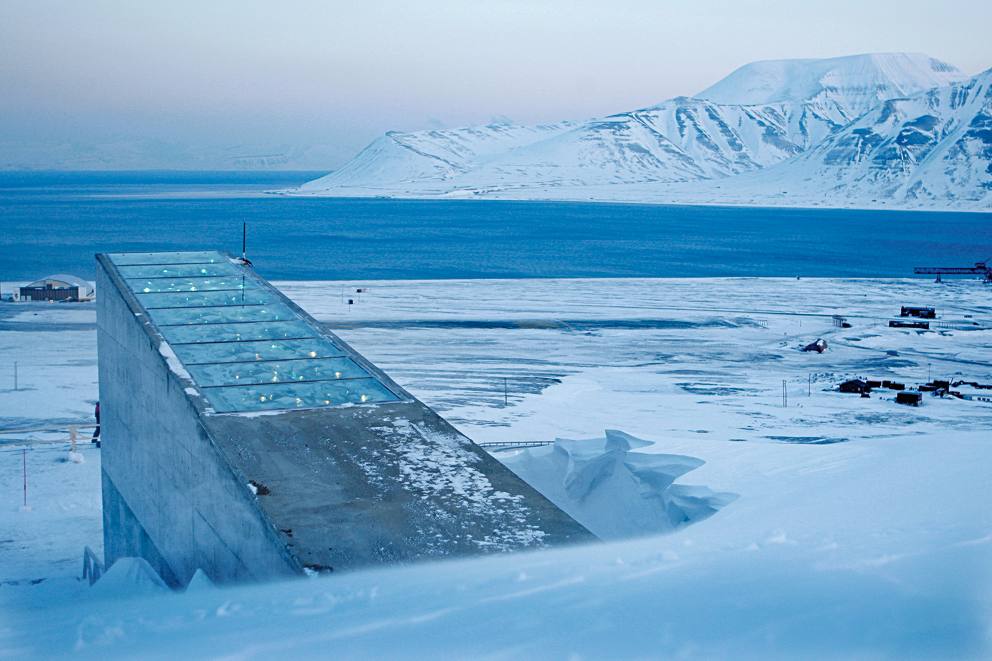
(70, 430)
(514, 444)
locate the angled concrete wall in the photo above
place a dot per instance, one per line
(169, 494)
(334, 488)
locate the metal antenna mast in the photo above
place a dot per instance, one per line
(244, 245)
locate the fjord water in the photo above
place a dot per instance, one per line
(55, 222)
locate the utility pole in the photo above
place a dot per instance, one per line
(785, 395)
(24, 464)
(15, 375)
(506, 399)
(809, 393)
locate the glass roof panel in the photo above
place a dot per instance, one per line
(229, 352)
(267, 372)
(207, 298)
(152, 285)
(222, 315)
(275, 330)
(298, 395)
(179, 270)
(198, 257)
(243, 345)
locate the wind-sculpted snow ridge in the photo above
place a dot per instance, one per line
(614, 491)
(715, 147)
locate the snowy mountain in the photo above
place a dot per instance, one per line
(683, 139)
(936, 145)
(397, 158)
(853, 84)
(776, 113)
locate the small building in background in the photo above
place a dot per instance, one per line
(899, 323)
(910, 398)
(854, 386)
(59, 287)
(974, 394)
(921, 312)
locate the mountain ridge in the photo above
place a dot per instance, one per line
(689, 148)
(882, 75)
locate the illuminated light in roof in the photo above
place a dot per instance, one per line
(217, 334)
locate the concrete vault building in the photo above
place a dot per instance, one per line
(244, 439)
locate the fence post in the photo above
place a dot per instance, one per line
(24, 468)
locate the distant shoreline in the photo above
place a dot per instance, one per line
(764, 204)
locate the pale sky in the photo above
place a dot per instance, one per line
(245, 74)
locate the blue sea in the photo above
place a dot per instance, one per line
(54, 222)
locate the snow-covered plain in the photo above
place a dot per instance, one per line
(857, 527)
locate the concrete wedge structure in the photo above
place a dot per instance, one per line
(243, 438)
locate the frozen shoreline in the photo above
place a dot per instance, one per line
(656, 199)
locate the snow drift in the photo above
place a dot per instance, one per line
(127, 577)
(615, 491)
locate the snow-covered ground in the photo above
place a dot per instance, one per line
(846, 526)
